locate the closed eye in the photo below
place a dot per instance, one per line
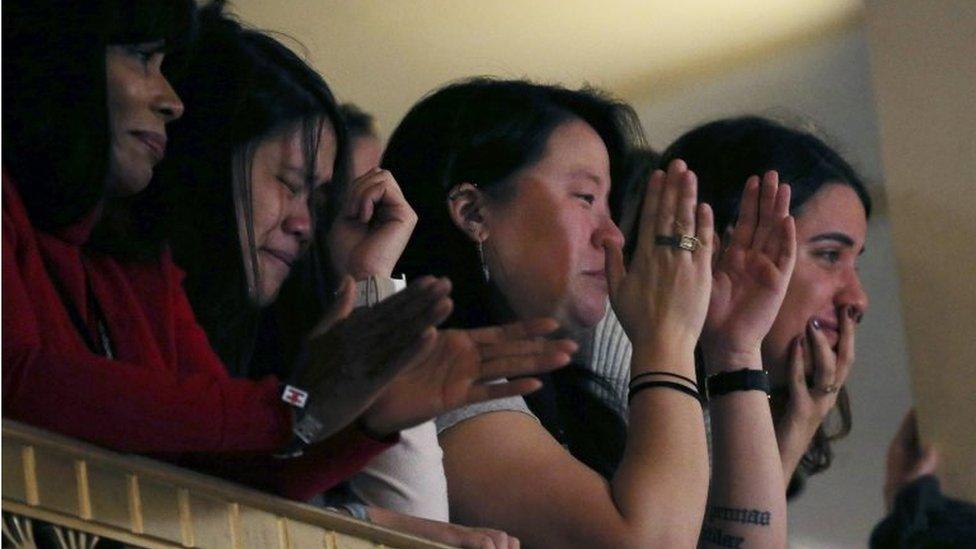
(292, 188)
(590, 199)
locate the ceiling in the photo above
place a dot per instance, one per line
(386, 54)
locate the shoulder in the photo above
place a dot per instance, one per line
(510, 404)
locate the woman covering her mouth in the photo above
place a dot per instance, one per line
(809, 348)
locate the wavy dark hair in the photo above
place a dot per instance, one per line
(483, 131)
(241, 86)
(723, 154)
(55, 108)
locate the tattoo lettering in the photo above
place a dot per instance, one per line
(743, 516)
(717, 536)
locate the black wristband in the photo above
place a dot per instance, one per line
(667, 384)
(745, 379)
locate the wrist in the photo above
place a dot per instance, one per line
(727, 359)
(649, 357)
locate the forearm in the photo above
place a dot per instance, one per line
(661, 484)
(746, 501)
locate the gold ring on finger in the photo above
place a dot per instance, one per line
(681, 242)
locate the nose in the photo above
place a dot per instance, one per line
(852, 294)
(607, 230)
(166, 102)
(298, 222)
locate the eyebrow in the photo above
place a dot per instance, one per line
(582, 173)
(835, 237)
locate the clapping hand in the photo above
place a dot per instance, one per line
(662, 300)
(462, 367)
(354, 355)
(751, 277)
(373, 227)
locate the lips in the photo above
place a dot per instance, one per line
(155, 142)
(282, 256)
(829, 329)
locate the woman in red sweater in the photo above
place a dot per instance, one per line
(103, 345)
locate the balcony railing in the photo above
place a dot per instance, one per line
(88, 492)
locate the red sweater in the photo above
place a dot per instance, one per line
(166, 393)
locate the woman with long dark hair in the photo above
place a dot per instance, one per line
(260, 214)
(809, 349)
(510, 180)
(807, 381)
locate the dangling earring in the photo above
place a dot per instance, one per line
(484, 264)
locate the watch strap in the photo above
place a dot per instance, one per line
(746, 379)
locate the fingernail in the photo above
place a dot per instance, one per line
(815, 323)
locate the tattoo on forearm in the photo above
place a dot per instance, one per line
(742, 516)
(716, 536)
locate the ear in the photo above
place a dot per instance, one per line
(465, 205)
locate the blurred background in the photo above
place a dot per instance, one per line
(889, 84)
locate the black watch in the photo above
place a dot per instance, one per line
(746, 379)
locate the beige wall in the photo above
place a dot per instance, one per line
(924, 65)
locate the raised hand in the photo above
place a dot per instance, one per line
(750, 277)
(662, 300)
(809, 403)
(466, 366)
(353, 356)
(373, 227)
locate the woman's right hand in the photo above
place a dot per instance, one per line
(662, 300)
(468, 366)
(373, 227)
(354, 355)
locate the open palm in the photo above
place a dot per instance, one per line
(468, 366)
(752, 273)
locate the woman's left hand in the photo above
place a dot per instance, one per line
(372, 228)
(751, 277)
(808, 406)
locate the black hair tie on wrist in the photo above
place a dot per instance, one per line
(634, 389)
(668, 374)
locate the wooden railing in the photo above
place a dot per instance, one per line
(86, 491)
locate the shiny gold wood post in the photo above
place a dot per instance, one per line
(142, 502)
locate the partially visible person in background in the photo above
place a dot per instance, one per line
(365, 143)
(919, 515)
(408, 478)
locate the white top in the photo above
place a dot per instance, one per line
(407, 478)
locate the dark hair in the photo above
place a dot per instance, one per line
(359, 123)
(55, 112)
(723, 154)
(626, 196)
(482, 131)
(242, 86)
